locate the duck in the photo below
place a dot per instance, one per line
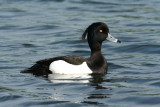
(96, 33)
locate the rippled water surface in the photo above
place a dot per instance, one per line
(31, 30)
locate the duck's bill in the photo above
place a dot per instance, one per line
(112, 39)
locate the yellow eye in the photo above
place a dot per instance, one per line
(100, 30)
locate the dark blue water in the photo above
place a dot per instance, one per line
(31, 30)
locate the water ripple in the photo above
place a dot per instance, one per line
(35, 29)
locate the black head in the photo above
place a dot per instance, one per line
(96, 31)
(96, 34)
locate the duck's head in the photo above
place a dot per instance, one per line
(96, 34)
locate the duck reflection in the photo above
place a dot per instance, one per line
(96, 92)
(96, 82)
(75, 78)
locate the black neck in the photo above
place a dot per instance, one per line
(95, 47)
(96, 54)
(97, 57)
(96, 61)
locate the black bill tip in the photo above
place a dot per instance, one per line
(118, 41)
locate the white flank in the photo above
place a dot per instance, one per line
(63, 67)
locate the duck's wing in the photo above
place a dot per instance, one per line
(41, 68)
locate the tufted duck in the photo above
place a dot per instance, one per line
(96, 63)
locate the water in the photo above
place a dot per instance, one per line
(31, 30)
